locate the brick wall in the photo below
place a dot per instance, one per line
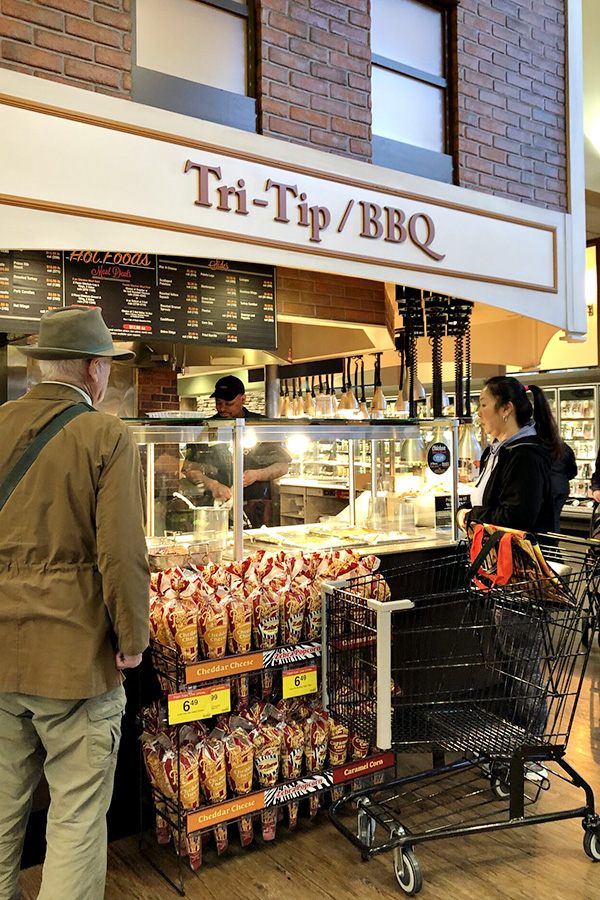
(314, 74)
(511, 99)
(323, 296)
(156, 390)
(79, 42)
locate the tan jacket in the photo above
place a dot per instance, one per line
(73, 566)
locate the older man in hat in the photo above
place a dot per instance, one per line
(73, 602)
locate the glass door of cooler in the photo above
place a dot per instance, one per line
(550, 395)
(578, 415)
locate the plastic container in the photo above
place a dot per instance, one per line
(211, 526)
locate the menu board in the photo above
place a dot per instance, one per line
(30, 283)
(144, 296)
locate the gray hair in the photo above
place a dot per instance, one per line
(70, 370)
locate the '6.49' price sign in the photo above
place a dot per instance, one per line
(297, 682)
(201, 704)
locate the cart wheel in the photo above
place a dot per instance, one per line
(591, 845)
(407, 870)
(366, 828)
(500, 788)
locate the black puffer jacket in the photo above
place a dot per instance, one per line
(518, 493)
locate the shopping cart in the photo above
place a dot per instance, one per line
(487, 680)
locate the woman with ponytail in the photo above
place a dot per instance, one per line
(514, 487)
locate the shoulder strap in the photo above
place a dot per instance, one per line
(32, 451)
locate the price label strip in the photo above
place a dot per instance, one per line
(201, 704)
(297, 682)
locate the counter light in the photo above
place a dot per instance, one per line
(249, 440)
(297, 444)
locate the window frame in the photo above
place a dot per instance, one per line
(411, 158)
(191, 98)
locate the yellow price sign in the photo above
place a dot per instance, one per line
(201, 704)
(297, 682)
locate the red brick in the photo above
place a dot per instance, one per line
(31, 56)
(299, 309)
(354, 129)
(31, 12)
(361, 148)
(92, 32)
(307, 83)
(333, 107)
(62, 44)
(309, 49)
(328, 139)
(89, 72)
(326, 39)
(309, 116)
(291, 61)
(271, 36)
(310, 17)
(289, 94)
(274, 106)
(290, 129)
(16, 30)
(327, 73)
(287, 25)
(333, 10)
(81, 8)
(117, 59)
(122, 21)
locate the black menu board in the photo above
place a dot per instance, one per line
(217, 302)
(122, 284)
(30, 283)
(142, 296)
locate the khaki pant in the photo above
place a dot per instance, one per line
(75, 743)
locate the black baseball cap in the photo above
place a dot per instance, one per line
(228, 387)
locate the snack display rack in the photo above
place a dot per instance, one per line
(190, 828)
(215, 757)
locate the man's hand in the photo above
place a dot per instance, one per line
(218, 490)
(251, 475)
(461, 516)
(127, 662)
(596, 496)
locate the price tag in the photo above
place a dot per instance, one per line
(297, 682)
(200, 704)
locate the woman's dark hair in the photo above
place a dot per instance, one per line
(505, 389)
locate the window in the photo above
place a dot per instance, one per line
(409, 86)
(196, 58)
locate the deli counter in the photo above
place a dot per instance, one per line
(219, 489)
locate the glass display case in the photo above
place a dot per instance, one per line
(297, 485)
(577, 422)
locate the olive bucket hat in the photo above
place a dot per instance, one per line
(76, 332)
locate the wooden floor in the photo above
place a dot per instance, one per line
(316, 863)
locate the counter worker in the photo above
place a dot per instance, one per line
(212, 465)
(74, 586)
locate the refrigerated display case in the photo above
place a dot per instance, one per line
(577, 419)
(349, 484)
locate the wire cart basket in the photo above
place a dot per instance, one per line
(487, 680)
